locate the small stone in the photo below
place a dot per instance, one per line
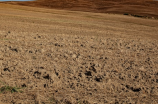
(54, 77)
(79, 57)
(42, 50)
(152, 17)
(70, 52)
(66, 55)
(74, 56)
(52, 49)
(56, 59)
(142, 68)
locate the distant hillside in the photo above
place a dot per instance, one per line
(135, 7)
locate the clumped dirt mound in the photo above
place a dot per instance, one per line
(54, 69)
(138, 8)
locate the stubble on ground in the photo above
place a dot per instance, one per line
(138, 8)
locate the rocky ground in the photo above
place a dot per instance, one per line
(47, 58)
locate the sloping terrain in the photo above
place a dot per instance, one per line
(52, 56)
(138, 8)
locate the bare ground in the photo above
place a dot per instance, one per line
(67, 57)
(137, 8)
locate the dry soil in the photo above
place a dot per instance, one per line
(138, 8)
(69, 57)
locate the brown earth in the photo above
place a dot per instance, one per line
(70, 57)
(138, 8)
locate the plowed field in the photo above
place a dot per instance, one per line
(50, 56)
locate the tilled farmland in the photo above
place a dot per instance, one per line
(78, 69)
(52, 56)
